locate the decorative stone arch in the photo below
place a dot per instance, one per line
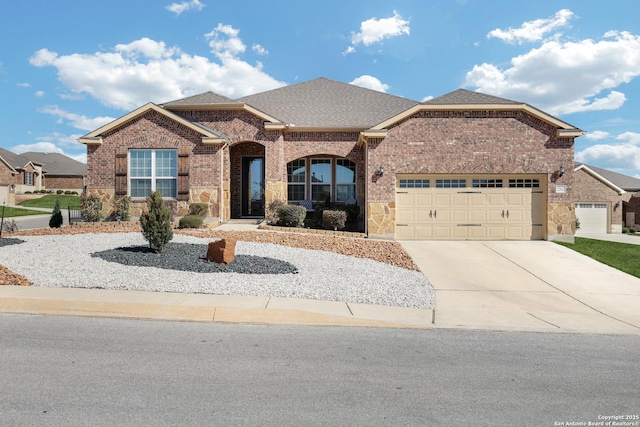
(245, 178)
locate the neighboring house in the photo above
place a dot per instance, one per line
(605, 200)
(60, 172)
(462, 166)
(28, 174)
(7, 182)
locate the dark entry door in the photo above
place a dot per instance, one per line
(253, 186)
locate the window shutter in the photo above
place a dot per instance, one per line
(183, 176)
(121, 174)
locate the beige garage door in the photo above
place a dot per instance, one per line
(469, 207)
(592, 217)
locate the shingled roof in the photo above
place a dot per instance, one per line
(324, 103)
(16, 161)
(625, 182)
(56, 163)
(464, 96)
(207, 98)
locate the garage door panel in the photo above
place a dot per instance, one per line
(592, 217)
(475, 213)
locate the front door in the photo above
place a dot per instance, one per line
(253, 186)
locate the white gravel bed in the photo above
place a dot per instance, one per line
(66, 261)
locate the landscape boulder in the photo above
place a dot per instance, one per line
(222, 251)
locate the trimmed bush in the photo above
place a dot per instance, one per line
(632, 230)
(122, 208)
(625, 230)
(67, 192)
(59, 191)
(191, 221)
(200, 209)
(156, 223)
(291, 215)
(271, 213)
(90, 207)
(28, 192)
(75, 193)
(56, 217)
(334, 219)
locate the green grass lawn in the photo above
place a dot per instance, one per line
(49, 201)
(622, 256)
(11, 212)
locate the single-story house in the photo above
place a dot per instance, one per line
(465, 165)
(605, 200)
(17, 175)
(59, 171)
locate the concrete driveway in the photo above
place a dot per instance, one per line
(526, 286)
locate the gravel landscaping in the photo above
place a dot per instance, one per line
(273, 264)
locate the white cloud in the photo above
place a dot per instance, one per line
(563, 77)
(427, 98)
(376, 30)
(147, 70)
(624, 156)
(24, 85)
(533, 30)
(39, 93)
(40, 147)
(259, 50)
(370, 82)
(77, 121)
(597, 135)
(178, 8)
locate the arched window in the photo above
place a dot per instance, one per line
(310, 177)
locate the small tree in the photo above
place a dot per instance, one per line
(56, 217)
(90, 207)
(156, 223)
(122, 208)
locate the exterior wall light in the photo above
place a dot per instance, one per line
(562, 170)
(381, 170)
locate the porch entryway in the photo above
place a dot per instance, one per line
(247, 180)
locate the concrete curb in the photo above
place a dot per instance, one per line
(205, 308)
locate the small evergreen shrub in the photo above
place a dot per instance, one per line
(90, 207)
(75, 193)
(156, 222)
(56, 217)
(59, 191)
(632, 230)
(67, 192)
(201, 209)
(625, 230)
(191, 221)
(122, 208)
(28, 192)
(271, 213)
(291, 215)
(334, 219)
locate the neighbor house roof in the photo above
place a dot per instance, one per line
(15, 161)
(57, 164)
(615, 180)
(325, 104)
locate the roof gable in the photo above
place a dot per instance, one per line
(617, 181)
(464, 100)
(206, 98)
(209, 136)
(323, 103)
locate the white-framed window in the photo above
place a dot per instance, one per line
(345, 180)
(296, 180)
(320, 177)
(153, 170)
(28, 178)
(451, 183)
(414, 183)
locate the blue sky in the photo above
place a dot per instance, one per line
(68, 67)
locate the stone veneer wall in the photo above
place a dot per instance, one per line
(470, 142)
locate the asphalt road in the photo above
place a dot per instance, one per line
(84, 371)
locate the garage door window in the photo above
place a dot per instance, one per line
(487, 183)
(414, 183)
(524, 183)
(451, 183)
